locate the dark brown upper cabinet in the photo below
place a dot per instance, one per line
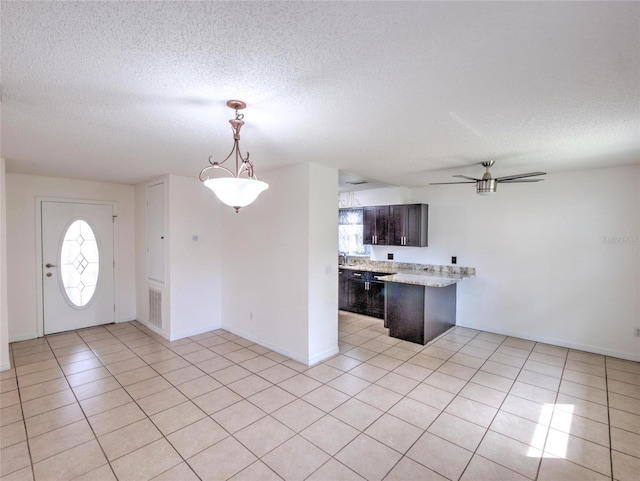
(396, 225)
(375, 228)
(408, 225)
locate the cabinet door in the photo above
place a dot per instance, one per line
(397, 224)
(408, 225)
(415, 225)
(343, 290)
(376, 299)
(376, 225)
(155, 232)
(382, 225)
(368, 225)
(358, 296)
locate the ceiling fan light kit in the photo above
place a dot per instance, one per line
(489, 185)
(235, 191)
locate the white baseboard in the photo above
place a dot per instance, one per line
(176, 336)
(153, 328)
(5, 366)
(556, 342)
(296, 357)
(26, 337)
(194, 332)
(326, 354)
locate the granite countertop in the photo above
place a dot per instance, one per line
(433, 279)
(416, 274)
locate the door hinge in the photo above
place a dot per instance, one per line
(114, 308)
(114, 264)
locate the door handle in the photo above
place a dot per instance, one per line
(51, 265)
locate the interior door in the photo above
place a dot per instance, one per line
(78, 265)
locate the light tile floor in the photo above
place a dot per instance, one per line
(119, 402)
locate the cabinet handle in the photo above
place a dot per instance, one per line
(355, 274)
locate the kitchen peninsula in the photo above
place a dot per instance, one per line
(419, 299)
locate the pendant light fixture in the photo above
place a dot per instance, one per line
(242, 187)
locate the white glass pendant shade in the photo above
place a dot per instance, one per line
(236, 192)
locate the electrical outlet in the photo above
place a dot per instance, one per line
(637, 331)
(390, 256)
(454, 260)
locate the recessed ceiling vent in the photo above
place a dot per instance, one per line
(358, 182)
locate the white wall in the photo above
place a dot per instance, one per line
(270, 264)
(194, 265)
(546, 269)
(381, 196)
(191, 293)
(323, 273)
(5, 358)
(21, 193)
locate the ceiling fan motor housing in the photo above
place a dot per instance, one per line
(486, 186)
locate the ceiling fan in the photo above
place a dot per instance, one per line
(488, 185)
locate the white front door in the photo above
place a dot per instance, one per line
(77, 265)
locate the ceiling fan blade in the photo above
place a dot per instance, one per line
(519, 176)
(466, 177)
(516, 181)
(445, 183)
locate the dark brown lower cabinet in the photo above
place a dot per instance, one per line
(358, 296)
(343, 289)
(366, 297)
(419, 313)
(361, 293)
(376, 299)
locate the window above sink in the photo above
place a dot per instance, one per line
(350, 231)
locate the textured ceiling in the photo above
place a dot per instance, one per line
(395, 92)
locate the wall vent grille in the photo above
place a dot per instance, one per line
(155, 307)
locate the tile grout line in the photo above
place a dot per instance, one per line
(86, 419)
(553, 413)
(24, 420)
(326, 383)
(606, 383)
(206, 415)
(488, 428)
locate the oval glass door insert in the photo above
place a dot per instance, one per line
(79, 263)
